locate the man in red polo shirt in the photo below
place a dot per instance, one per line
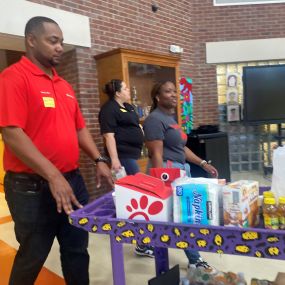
(43, 128)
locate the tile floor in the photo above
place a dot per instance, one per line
(138, 269)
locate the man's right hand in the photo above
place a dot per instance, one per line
(25, 150)
(63, 194)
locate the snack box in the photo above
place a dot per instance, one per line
(240, 203)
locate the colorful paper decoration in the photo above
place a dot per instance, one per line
(186, 99)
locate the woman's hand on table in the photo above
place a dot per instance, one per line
(211, 170)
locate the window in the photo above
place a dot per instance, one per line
(245, 2)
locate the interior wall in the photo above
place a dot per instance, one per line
(222, 24)
(123, 24)
(189, 24)
(250, 147)
(13, 56)
(3, 59)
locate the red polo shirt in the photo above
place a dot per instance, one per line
(46, 109)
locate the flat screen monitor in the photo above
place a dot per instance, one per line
(264, 94)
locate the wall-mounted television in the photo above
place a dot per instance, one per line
(264, 94)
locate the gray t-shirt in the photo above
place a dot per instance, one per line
(161, 126)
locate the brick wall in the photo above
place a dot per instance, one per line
(189, 24)
(226, 23)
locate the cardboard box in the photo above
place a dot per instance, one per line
(240, 203)
(143, 197)
(280, 280)
(255, 281)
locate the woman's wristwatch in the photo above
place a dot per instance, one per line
(101, 159)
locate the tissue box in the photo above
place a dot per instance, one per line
(142, 197)
(240, 203)
(190, 204)
(197, 201)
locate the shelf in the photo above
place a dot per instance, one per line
(138, 69)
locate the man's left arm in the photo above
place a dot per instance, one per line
(87, 144)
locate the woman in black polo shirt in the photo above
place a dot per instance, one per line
(123, 135)
(120, 127)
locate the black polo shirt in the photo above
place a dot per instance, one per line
(124, 123)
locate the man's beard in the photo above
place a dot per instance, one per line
(53, 63)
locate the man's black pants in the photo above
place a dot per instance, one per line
(37, 223)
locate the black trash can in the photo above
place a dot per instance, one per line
(210, 146)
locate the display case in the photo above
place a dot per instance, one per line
(140, 70)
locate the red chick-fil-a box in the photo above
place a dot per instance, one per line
(143, 197)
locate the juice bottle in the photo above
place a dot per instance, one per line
(268, 194)
(265, 194)
(281, 213)
(270, 214)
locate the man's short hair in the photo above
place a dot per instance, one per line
(35, 24)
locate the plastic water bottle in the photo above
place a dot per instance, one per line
(184, 281)
(119, 174)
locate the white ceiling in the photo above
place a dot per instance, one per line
(14, 15)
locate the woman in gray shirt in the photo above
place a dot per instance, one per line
(166, 143)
